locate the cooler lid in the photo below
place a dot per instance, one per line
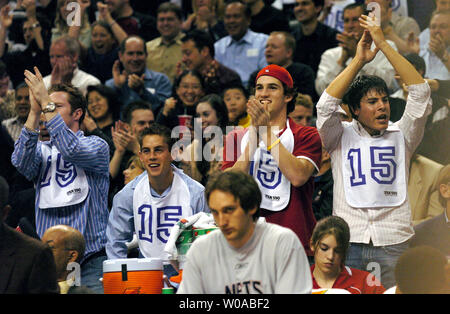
(132, 264)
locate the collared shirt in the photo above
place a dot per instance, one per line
(157, 88)
(91, 154)
(243, 56)
(121, 222)
(354, 281)
(163, 57)
(382, 226)
(435, 67)
(80, 80)
(14, 127)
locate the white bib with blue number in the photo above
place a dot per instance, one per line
(61, 182)
(374, 168)
(154, 217)
(274, 186)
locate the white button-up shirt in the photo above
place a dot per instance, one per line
(382, 226)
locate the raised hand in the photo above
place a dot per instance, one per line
(257, 111)
(412, 41)
(121, 136)
(348, 41)
(136, 82)
(62, 72)
(119, 77)
(36, 85)
(371, 24)
(437, 46)
(104, 13)
(169, 105)
(5, 18)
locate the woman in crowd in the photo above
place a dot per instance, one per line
(66, 25)
(202, 157)
(103, 52)
(103, 108)
(134, 168)
(329, 242)
(188, 88)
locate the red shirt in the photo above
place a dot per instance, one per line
(355, 281)
(298, 215)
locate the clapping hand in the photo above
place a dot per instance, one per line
(118, 76)
(136, 82)
(37, 87)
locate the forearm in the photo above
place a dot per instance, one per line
(24, 157)
(114, 164)
(117, 30)
(243, 162)
(296, 170)
(2, 41)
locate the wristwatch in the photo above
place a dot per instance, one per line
(49, 108)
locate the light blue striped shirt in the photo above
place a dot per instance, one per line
(121, 220)
(244, 56)
(91, 154)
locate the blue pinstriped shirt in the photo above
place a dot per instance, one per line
(91, 154)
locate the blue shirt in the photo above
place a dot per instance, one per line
(157, 89)
(89, 153)
(121, 220)
(243, 56)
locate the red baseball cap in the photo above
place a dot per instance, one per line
(278, 72)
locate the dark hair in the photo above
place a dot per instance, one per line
(290, 91)
(421, 270)
(123, 44)
(236, 86)
(332, 225)
(216, 102)
(201, 39)
(132, 106)
(21, 85)
(443, 178)
(319, 3)
(417, 61)
(111, 96)
(76, 99)
(170, 7)
(352, 6)
(158, 129)
(106, 26)
(360, 87)
(241, 185)
(247, 9)
(177, 81)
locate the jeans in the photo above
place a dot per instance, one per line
(91, 272)
(378, 260)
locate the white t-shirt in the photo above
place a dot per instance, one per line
(272, 261)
